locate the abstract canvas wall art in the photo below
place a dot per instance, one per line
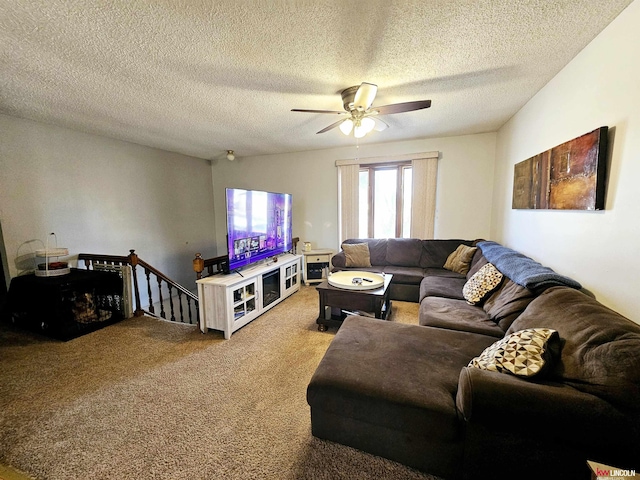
(571, 176)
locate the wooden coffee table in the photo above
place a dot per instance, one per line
(336, 303)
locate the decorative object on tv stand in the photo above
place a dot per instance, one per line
(230, 155)
(571, 176)
(49, 268)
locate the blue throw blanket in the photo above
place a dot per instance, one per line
(523, 270)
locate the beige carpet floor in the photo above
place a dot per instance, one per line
(147, 399)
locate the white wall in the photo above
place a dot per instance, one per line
(465, 183)
(103, 196)
(600, 87)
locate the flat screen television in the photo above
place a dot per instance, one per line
(258, 225)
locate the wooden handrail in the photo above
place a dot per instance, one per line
(213, 265)
(216, 265)
(134, 261)
(90, 258)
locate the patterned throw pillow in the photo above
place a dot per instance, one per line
(460, 260)
(357, 254)
(524, 353)
(481, 283)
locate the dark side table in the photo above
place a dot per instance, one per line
(65, 306)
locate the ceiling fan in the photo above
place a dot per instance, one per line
(359, 115)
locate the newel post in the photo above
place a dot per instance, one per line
(133, 261)
(198, 265)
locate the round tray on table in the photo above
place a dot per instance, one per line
(356, 280)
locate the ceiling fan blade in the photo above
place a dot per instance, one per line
(403, 107)
(380, 124)
(317, 111)
(333, 125)
(365, 95)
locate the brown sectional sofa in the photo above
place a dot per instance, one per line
(406, 392)
(409, 260)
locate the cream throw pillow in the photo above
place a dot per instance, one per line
(357, 254)
(524, 353)
(481, 283)
(460, 260)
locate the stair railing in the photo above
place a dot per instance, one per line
(213, 265)
(191, 314)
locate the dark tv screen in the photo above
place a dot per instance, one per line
(258, 225)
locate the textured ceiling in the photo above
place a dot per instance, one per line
(201, 77)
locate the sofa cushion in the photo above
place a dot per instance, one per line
(404, 252)
(412, 275)
(435, 252)
(438, 286)
(601, 348)
(441, 272)
(483, 282)
(507, 302)
(357, 255)
(526, 353)
(460, 260)
(477, 262)
(455, 314)
(374, 269)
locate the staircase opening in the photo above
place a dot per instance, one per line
(167, 299)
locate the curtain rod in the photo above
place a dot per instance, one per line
(386, 159)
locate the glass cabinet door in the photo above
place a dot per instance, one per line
(244, 300)
(291, 276)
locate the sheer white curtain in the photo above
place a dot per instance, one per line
(348, 200)
(423, 204)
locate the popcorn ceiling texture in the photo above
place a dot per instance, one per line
(200, 77)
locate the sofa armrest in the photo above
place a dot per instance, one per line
(536, 426)
(495, 398)
(339, 260)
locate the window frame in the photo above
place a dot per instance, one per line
(424, 186)
(371, 170)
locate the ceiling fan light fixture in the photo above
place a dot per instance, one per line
(363, 126)
(230, 155)
(346, 126)
(364, 96)
(361, 115)
(368, 124)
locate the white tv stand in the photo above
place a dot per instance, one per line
(229, 302)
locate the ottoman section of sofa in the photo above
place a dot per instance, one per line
(389, 389)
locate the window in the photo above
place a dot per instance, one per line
(384, 201)
(364, 194)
